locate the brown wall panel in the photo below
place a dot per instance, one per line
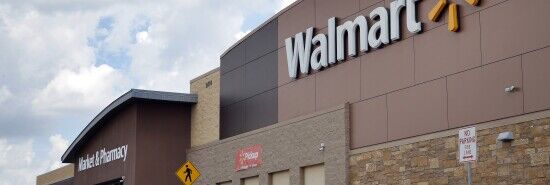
(261, 110)
(233, 59)
(478, 95)
(232, 87)
(439, 52)
(493, 31)
(262, 42)
(402, 18)
(367, 3)
(417, 110)
(338, 84)
(325, 9)
(282, 68)
(232, 120)
(260, 75)
(535, 23)
(297, 98)
(387, 69)
(296, 19)
(423, 9)
(119, 130)
(369, 122)
(514, 27)
(163, 137)
(365, 12)
(536, 79)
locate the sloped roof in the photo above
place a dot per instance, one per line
(133, 94)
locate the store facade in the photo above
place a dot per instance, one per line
(411, 79)
(138, 139)
(352, 92)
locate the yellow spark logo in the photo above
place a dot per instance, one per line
(453, 13)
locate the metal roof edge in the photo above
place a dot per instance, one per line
(260, 27)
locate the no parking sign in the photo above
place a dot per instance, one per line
(467, 143)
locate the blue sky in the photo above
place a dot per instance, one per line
(64, 61)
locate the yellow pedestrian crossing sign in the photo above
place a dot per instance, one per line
(188, 173)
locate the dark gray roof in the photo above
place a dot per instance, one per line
(126, 97)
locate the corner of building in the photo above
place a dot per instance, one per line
(205, 115)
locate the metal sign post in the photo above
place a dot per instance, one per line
(469, 173)
(467, 144)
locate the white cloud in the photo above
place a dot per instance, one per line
(16, 163)
(59, 145)
(19, 163)
(82, 90)
(51, 69)
(285, 3)
(143, 37)
(5, 94)
(241, 34)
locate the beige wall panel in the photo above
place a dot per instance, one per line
(387, 69)
(464, 9)
(325, 9)
(417, 110)
(297, 98)
(296, 19)
(280, 178)
(369, 122)
(205, 115)
(439, 52)
(338, 84)
(536, 79)
(514, 27)
(251, 181)
(282, 68)
(365, 12)
(367, 3)
(314, 175)
(56, 175)
(478, 95)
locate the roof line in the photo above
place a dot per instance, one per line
(132, 94)
(212, 71)
(260, 27)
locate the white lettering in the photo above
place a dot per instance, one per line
(319, 55)
(298, 52)
(331, 47)
(350, 28)
(395, 11)
(101, 157)
(332, 40)
(379, 28)
(412, 25)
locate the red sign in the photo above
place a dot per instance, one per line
(249, 157)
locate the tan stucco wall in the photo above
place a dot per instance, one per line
(291, 145)
(56, 175)
(205, 115)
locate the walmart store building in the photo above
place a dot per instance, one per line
(346, 92)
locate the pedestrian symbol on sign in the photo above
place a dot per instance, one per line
(188, 173)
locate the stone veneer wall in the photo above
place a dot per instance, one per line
(525, 160)
(205, 115)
